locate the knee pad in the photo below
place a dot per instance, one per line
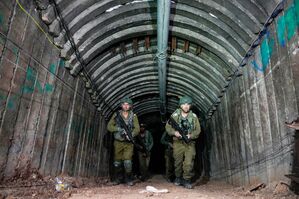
(117, 163)
(128, 164)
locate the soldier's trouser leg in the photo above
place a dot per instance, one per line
(117, 171)
(127, 157)
(169, 163)
(142, 164)
(189, 161)
(118, 163)
(178, 155)
(128, 170)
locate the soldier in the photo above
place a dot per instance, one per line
(184, 153)
(166, 140)
(145, 139)
(123, 146)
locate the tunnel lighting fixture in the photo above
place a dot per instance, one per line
(137, 1)
(213, 15)
(113, 8)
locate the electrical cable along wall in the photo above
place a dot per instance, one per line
(47, 119)
(250, 142)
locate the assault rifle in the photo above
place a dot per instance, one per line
(176, 127)
(127, 132)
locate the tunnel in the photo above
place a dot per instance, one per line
(66, 64)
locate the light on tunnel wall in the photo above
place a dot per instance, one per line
(213, 15)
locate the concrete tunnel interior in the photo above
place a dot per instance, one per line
(66, 64)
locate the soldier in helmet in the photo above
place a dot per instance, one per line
(184, 153)
(145, 139)
(123, 147)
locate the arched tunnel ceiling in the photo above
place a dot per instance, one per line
(114, 43)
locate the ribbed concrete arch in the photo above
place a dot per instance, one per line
(132, 93)
(172, 105)
(114, 61)
(199, 72)
(231, 58)
(129, 68)
(133, 88)
(142, 84)
(208, 41)
(225, 13)
(200, 97)
(100, 44)
(111, 67)
(85, 29)
(101, 24)
(134, 72)
(204, 18)
(150, 106)
(146, 75)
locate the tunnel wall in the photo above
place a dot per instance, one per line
(250, 142)
(47, 120)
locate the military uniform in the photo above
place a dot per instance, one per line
(123, 149)
(144, 158)
(183, 153)
(166, 140)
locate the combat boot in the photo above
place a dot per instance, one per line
(129, 179)
(178, 181)
(187, 184)
(118, 175)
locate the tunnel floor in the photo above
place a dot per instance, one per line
(38, 187)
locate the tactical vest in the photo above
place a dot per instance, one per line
(185, 123)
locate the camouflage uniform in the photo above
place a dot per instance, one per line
(166, 140)
(144, 159)
(184, 154)
(123, 149)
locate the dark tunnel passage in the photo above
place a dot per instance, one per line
(65, 66)
(157, 164)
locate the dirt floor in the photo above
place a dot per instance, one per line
(80, 188)
(211, 190)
